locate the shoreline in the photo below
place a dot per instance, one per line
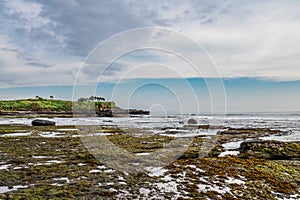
(51, 114)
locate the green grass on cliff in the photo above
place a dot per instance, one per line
(40, 104)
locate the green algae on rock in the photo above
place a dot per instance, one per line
(270, 149)
(62, 168)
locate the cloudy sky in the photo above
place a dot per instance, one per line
(45, 46)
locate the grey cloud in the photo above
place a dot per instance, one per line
(186, 12)
(26, 41)
(207, 9)
(207, 21)
(164, 7)
(162, 22)
(86, 23)
(10, 49)
(36, 64)
(94, 71)
(5, 79)
(113, 69)
(73, 27)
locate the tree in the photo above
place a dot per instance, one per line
(91, 98)
(38, 97)
(100, 98)
(97, 98)
(51, 97)
(82, 99)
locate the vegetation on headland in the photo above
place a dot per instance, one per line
(55, 105)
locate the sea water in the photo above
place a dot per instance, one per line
(287, 122)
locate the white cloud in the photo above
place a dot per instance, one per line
(19, 70)
(254, 39)
(27, 12)
(244, 38)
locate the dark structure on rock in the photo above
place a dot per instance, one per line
(118, 112)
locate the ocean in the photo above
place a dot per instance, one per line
(288, 123)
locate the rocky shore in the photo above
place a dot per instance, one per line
(53, 162)
(104, 113)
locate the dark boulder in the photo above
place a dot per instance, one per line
(192, 121)
(42, 122)
(171, 132)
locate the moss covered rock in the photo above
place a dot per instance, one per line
(270, 149)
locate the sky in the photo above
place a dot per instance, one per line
(167, 56)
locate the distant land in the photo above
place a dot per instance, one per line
(50, 107)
